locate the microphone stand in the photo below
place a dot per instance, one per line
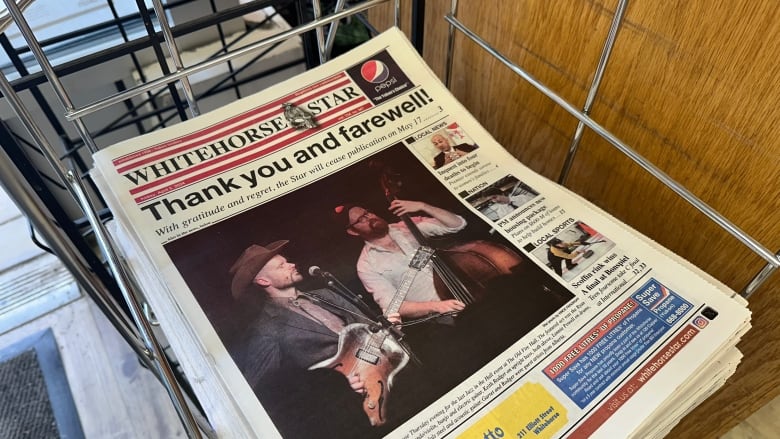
(334, 284)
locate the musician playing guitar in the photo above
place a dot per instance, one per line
(294, 331)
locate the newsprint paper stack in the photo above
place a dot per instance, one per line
(280, 239)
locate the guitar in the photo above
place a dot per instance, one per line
(372, 353)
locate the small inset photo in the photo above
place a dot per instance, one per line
(572, 251)
(446, 145)
(502, 197)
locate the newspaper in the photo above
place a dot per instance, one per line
(363, 182)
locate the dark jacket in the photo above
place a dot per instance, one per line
(282, 340)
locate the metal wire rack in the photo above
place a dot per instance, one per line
(772, 258)
(43, 175)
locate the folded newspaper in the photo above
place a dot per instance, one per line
(350, 254)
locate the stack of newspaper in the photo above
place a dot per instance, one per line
(281, 239)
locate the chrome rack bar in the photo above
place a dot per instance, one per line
(11, 180)
(759, 279)
(450, 45)
(340, 5)
(317, 7)
(16, 186)
(747, 240)
(143, 88)
(617, 19)
(52, 235)
(144, 326)
(331, 39)
(150, 350)
(46, 67)
(5, 17)
(173, 51)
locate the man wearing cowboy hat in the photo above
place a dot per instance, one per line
(517, 302)
(293, 331)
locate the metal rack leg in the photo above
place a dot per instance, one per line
(144, 326)
(173, 51)
(15, 185)
(59, 89)
(320, 34)
(151, 348)
(759, 279)
(309, 39)
(12, 179)
(331, 38)
(450, 45)
(617, 20)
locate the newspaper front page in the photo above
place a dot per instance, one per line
(365, 188)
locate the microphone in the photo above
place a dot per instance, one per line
(330, 279)
(317, 271)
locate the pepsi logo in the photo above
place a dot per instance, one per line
(374, 71)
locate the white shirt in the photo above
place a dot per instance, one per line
(381, 269)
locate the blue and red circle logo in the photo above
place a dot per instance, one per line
(374, 71)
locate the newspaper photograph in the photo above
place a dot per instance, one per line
(350, 254)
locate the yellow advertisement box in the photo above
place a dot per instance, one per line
(530, 412)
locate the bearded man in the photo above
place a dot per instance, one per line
(293, 331)
(388, 248)
(460, 340)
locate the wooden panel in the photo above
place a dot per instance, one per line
(691, 86)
